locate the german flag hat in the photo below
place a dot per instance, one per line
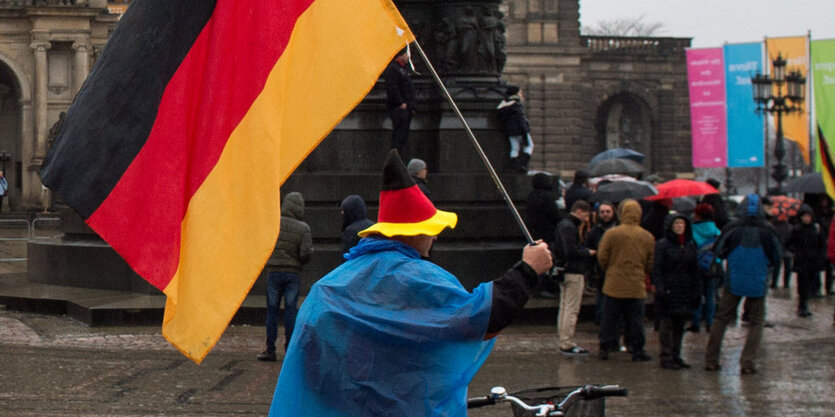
(404, 209)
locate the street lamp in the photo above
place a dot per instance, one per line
(768, 94)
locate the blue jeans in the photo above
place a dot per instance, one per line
(278, 284)
(706, 310)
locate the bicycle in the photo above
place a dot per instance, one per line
(592, 397)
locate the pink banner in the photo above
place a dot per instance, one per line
(708, 118)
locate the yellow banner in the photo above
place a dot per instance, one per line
(795, 51)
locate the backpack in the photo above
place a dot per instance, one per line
(709, 264)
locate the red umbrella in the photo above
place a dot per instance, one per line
(682, 188)
(784, 208)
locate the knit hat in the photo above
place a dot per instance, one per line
(404, 209)
(705, 211)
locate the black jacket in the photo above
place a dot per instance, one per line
(720, 214)
(424, 187)
(654, 220)
(575, 193)
(675, 271)
(354, 220)
(567, 239)
(512, 116)
(808, 242)
(399, 88)
(541, 212)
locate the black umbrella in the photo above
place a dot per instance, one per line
(622, 190)
(808, 183)
(684, 205)
(615, 166)
(615, 153)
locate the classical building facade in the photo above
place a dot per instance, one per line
(586, 94)
(47, 48)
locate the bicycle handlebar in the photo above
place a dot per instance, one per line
(588, 392)
(597, 391)
(480, 402)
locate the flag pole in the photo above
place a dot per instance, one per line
(477, 145)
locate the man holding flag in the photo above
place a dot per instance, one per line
(390, 333)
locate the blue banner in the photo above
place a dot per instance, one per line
(746, 144)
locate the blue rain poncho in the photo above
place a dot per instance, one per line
(385, 334)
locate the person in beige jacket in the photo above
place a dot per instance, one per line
(625, 254)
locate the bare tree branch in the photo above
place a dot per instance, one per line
(625, 26)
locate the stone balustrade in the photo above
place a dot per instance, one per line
(634, 45)
(12, 4)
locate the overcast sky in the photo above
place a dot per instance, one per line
(714, 22)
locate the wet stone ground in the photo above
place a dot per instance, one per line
(54, 366)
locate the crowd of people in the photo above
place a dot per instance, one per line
(694, 267)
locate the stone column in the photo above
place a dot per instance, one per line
(82, 63)
(41, 80)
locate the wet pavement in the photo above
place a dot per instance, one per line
(55, 366)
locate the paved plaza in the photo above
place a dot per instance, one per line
(55, 366)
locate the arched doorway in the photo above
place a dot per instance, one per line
(624, 121)
(10, 136)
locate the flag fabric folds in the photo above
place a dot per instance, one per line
(826, 166)
(195, 113)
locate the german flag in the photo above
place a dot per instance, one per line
(827, 168)
(194, 115)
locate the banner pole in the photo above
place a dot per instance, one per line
(477, 145)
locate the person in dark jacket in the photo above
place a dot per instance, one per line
(576, 257)
(782, 225)
(579, 189)
(541, 212)
(542, 216)
(751, 246)
(606, 219)
(517, 128)
(653, 220)
(720, 214)
(292, 250)
(400, 99)
(417, 169)
(675, 275)
(354, 219)
(808, 242)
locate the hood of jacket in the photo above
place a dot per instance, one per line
(542, 181)
(353, 209)
(751, 206)
(806, 209)
(293, 206)
(630, 212)
(668, 227)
